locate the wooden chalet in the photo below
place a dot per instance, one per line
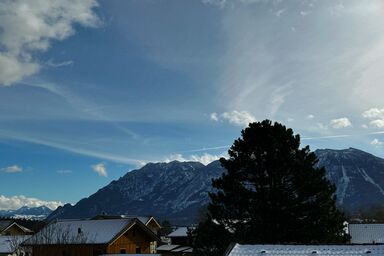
(93, 237)
(11, 228)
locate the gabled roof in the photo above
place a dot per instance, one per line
(5, 224)
(305, 250)
(85, 231)
(366, 233)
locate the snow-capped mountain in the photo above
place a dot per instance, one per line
(25, 212)
(174, 190)
(177, 190)
(358, 176)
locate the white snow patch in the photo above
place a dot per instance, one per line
(370, 180)
(344, 184)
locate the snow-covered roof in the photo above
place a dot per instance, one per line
(80, 231)
(301, 250)
(167, 247)
(179, 232)
(366, 233)
(181, 249)
(8, 243)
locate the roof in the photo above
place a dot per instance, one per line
(298, 250)
(7, 243)
(5, 224)
(167, 247)
(173, 248)
(179, 232)
(366, 233)
(84, 231)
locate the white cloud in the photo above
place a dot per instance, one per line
(376, 116)
(340, 123)
(12, 169)
(240, 118)
(310, 116)
(214, 117)
(100, 169)
(376, 142)
(378, 123)
(29, 26)
(16, 202)
(373, 113)
(204, 159)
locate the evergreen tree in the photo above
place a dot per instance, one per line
(272, 192)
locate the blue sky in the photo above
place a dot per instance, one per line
(92, 89)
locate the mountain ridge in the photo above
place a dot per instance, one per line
(177, 190)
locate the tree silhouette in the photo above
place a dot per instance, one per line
(271, 192)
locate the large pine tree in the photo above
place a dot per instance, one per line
(271, 193)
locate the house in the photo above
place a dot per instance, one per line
(93, 237)
(180, 236)
(179, 243)
(372, 233)
(10, 245)
(149, 221)
(174, 250)
(304, 250)
(11, 228)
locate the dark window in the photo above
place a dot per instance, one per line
(138, 250)
(123, 251)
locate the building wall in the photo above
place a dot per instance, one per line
(135, 240)
(68, 250)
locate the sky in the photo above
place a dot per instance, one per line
(90, 90)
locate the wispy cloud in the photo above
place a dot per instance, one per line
(239, 118)
(16, 202)
(100, 169)
(53, 64)
(31, 29)
(64, 172)
(12, 169)
(71, 148)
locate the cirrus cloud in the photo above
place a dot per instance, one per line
(29, 26)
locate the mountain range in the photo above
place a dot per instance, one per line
(177, 190)
(25, 212)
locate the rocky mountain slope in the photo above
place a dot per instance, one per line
(174, 191)
(177, 190)
(358, 176)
